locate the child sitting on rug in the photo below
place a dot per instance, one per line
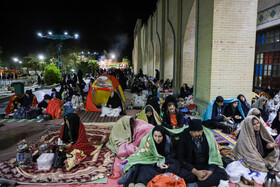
(73, 134)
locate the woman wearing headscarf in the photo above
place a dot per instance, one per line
(154, 156)
(29, 99)
(276, 123)
(149, 115)
(244, 104)
(261, 104)
(185, 91)
(167, 85)
(14, 103)
(232, 111)
(73, 134)
(256, 147)
(114, 101)
(154, 102)
(254, 112)
(157, 75)
(126, 135)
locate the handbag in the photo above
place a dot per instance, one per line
(59, 158)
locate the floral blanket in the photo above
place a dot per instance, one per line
(94, 167)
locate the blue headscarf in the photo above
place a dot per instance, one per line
(208, 113)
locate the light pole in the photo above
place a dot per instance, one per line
(59, 38)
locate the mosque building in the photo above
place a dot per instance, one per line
(219, 47)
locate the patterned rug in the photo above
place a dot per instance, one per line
(222, 138)
(94, 117)
(98, 166)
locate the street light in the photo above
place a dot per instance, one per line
(15, 59)
(59, 38)
(41, 57)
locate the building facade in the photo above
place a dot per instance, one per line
(209, 45)
(267, 58)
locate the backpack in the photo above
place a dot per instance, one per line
(167, 180)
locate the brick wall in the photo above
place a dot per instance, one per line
(233, 48)
(189, 49)
(204, 53)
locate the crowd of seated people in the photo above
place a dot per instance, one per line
(250, 124)
(159, 139)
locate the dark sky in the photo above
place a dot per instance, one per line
(101, 24)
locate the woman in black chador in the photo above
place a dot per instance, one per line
(114, 101)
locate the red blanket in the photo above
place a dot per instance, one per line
(82, 142)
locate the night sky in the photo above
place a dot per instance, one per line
(103, 25)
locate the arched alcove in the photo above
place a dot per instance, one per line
(169, 53)
(157, 56)
(187, 75)
(145, 62)
(150, 60)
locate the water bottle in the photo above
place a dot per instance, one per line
(270, 180)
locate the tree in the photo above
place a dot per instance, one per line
(28, 62)
(126, 60)
(52, 74)
(94, 66)
(88, 67)
(69, 55)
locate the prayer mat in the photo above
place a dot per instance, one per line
(94, 117)
(97, 166)
(111, 181)
(221, 138)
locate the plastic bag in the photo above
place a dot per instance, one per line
(235, 170)
(167, 180)
(122, 165)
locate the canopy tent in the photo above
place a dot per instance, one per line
(100, 91)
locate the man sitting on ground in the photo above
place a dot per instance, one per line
(199, 157)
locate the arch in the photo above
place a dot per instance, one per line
(135, 56)
(169, 53)
(188, 66)
(145, 60)
(157, 55)
(150, 59)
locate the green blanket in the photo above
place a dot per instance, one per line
(145, 154)
(214, 154)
